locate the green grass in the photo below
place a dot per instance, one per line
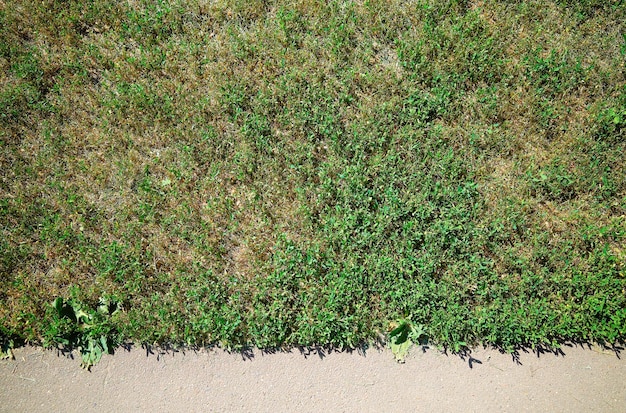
(300, 173)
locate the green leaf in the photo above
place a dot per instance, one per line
(58, 305)
(400, 350)
(399, 341)
(103, 341)
(82, 315)
(397, 330)
(6, 354)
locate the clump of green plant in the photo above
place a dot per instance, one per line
(76, 326)
(404, 336)
(6, 346)
(612, 118)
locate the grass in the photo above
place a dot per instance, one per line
(299, 173)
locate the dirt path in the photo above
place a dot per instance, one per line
(581, 380)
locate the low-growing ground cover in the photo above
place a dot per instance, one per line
(294, 173)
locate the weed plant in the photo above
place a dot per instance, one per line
(296, 173)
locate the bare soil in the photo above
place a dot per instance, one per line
(576, 380)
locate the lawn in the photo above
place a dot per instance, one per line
(271, 174)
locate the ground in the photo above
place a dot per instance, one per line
(579, 379)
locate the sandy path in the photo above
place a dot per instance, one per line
(582, 380)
